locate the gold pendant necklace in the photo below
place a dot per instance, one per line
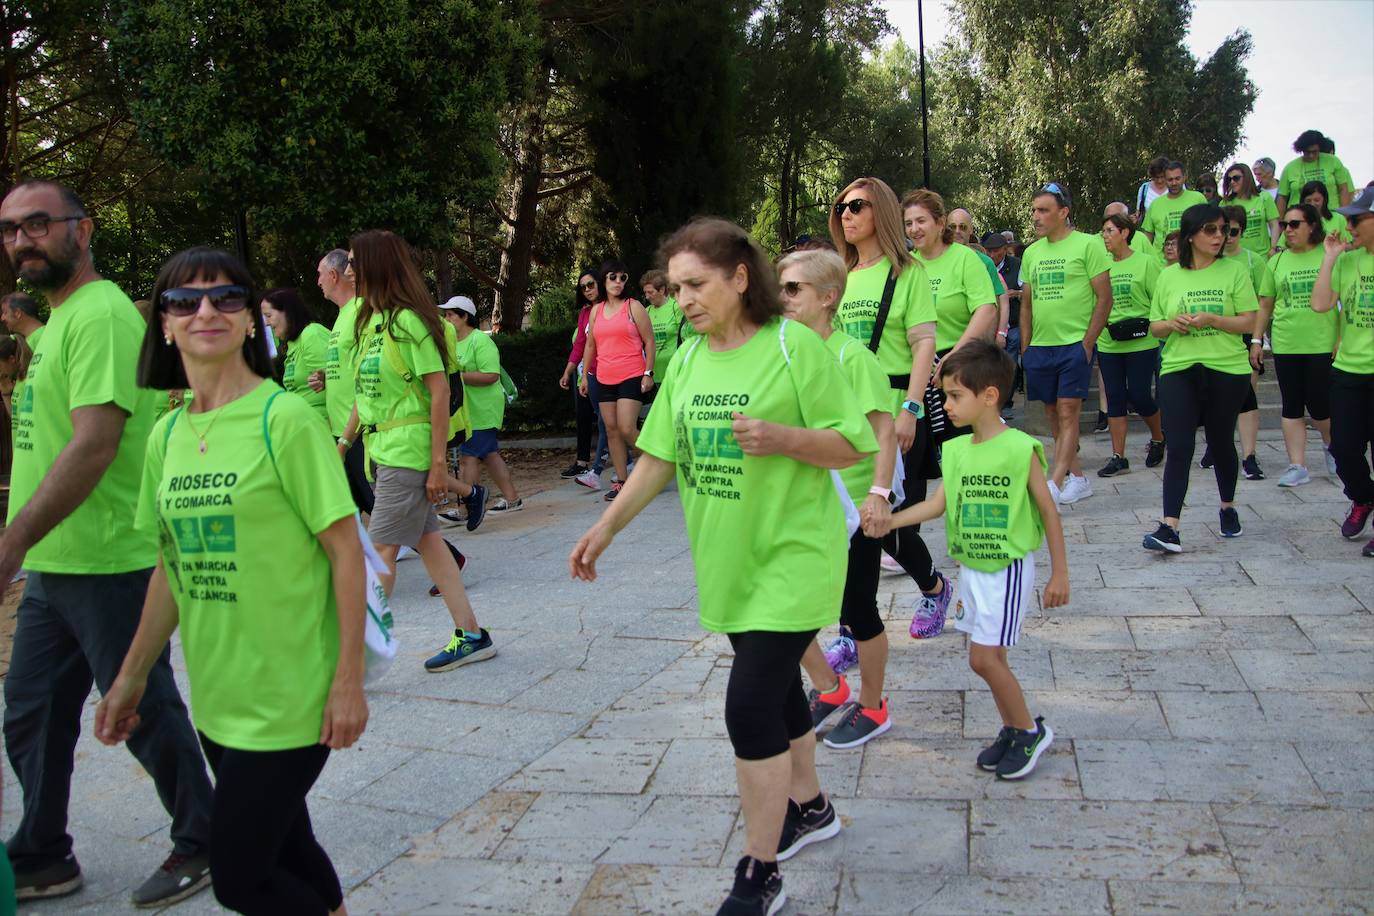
(198, 434)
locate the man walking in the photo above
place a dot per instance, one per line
(78, 462)
(1165, 212)
(337, 284)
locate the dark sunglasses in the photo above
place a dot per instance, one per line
(1292, 223)
(590, 284)
(1233, 231)
(792, 288)
(623, 278)
(1211, 229)
(185, 300)
(1231, 179)
(854, 206)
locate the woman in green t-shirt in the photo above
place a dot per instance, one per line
(402, 412)
(261, 568)
(1303, 340)
(1314, 193)
(1261, 218)
(304, 341)
(1201, 308)
(752, 417)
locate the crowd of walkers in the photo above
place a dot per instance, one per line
(223, 455)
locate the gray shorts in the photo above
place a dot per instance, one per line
(401, 510)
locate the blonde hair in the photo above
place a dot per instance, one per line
(887, 225)
(822, 268)
(933, 204)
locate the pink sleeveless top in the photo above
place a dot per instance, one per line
(619, 348)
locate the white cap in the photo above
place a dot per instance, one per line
(461, 302)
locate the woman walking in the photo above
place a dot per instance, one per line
(1261, 218)
(585, 469)
(255, 517)
(752, 416)
(304, 345)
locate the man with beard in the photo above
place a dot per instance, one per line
(79, 444)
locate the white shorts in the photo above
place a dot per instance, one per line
(988, 606)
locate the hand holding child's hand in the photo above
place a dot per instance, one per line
(1056, 593)
(875, 516)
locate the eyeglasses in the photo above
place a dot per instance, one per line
(35, 227)
(1232, 179)
(1211, 229)
(854, 206)
(623, 278)
(1292, 223)
(185, 300)
(792, 288)
(1233, 231)
(590, 284)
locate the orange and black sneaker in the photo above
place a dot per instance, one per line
(823, 704)
(859, 726)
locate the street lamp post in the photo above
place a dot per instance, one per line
(925, 124)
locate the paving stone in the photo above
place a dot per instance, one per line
(459, 779)
(896, 769)
(579, 827)
(444, 886)
(1201, 771)
(1164, 571)
(1327, 572)
(660, 716)
(613, 765)
(1306, 847)
(1131, 897)
(1281, 669)
(577, 691)
(676, 830)
(1215, 632)
(631, 890)
(1341, 769)
(361, 839)
(1332, 634)
(1168, 841)
(1078, 714)
(1079, 632)
(1167, 670)
(897, 894)
(1161, 601)
(947, 668)
(476, 831)
(1311, 715)
(695, 766)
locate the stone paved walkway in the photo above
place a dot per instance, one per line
(1213, 714)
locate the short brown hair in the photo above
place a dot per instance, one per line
(979, 365)
(655, 278)
(1122, 223)
(725, 246)
(933, 204)
(1235, 214)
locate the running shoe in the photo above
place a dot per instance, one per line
(1164, 538)
(1205, 462)
(576, 469)
(1115, 465)
(452, 516)
(1355, 519)
(1252, 469)
(1054, 492)
(1330, 463)
(754, 893)
(476, 504)
(1230, 524)
(505, 505)
(614, 491)
(1368, 549)
(1075, 488)
(56, 880)
(1154, 453)
(843, 653)
(1101, 425)
(992, 755)
(176, 879)
(1024, 751)
(859, 726)
(1295, 476)
(804, 826)
(462, 649)
(591, 480)
(823, 704)
(929, 618)
(890, 565)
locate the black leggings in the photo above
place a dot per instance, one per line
(904, 544)
(765, 705)
(356, 472)
(859, 607)
(1127, 378)
(1352, 431)
(1187, 398)
(586, 425)
(264, 857)
(1304, 384)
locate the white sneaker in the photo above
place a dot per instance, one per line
(406, 553)
(1075, 488)
(890, 565)
(1330, 463)
(591, 480)
(1295, 476)
(1054, 492)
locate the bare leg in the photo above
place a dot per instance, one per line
(1057, 473)
(500, 474)
(459, 488)
(614, 442)
(1156, 430)
(1101, 388)
(763, 792)
(990, 663)
(805, 785)
(1295, 439)
(818, 672)
(627, 418)
(1248, 423)
(443, 569)
(1118, 427)
(1323, 427)
(1066, 441)
(872, 669)
(469, 469)
(388, 553)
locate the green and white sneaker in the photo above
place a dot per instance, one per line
(1024, 750)
(462, 649)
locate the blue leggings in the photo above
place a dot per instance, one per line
(1128, 379)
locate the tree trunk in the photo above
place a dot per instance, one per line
(513, 280)
(443, 274)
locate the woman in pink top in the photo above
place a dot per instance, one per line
(621, 348)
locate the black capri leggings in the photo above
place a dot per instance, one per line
(1304, 384)
(1128, 378)
(264, 857)
(765, 705)
(905, 545)
(1213, 399)
(354, 469)
(859, 608)
(586, 425)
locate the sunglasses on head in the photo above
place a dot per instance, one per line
(1054, 190)
(854, 206)
(185, 300)
(623, 278)
(1292, 223)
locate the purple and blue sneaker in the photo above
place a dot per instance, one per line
(842, 654)
(929, 619)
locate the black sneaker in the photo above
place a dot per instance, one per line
(757, 890)
(1230, 524)
(1252, 469)
(1205, 462)
(1101, 426)
(476, 504)
(1164, 538)
(176, 879)
(859, 726)
(576, 469)
(805, 826)
(992, 755)
(1024, 750)
(1154, 454)
(1115, 465)
(56, 880)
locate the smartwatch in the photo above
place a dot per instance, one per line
(915, 408)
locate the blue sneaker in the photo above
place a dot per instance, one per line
(462, 649)
(842, 654)
(476, 504)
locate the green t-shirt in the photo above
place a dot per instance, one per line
(1353, 280)
(912, 304)
(869, 383)
(304, 355)
(665, 320)
(384, 395)
(251, 581)
(1328, 169)
(1133, 283)
(1336, 224)
(768, 534)
(339, 364)
(1256, 268)
(1140, 242)
(959, 284)
(1060, 276)
(998, 287)
(17, 396)
(1259, 211)
(1222, 288)
(1164, 215)
(486, 403)
(1296, 328)
(87, 356)
(990, 517)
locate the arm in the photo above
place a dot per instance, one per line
(824, 448)
(1102, 289)
(116, 716)
(1230, 324)
(921, 338)
(1026, 316)
(983, 322)
(436, 486)
(646, 337)
(350, 433)
(875, 508)
(589, 354)
(1281, 202)
(928, 509)
(1003, 317)
(1262, 318)
(1179, 324)
(651, 475)
(96, 431)
(481, 379)
(1057, 589)
(1273, 234)
(1323, 291)
(345, 712)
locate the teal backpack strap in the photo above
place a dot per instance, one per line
(167, 433)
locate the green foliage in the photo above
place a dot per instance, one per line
(535, 359)
(553, 307)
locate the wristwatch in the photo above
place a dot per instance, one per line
(884, 492)
(915, 408)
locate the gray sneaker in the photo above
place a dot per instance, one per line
(176, 879)
(1295, 476)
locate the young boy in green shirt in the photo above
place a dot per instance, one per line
(1002, 511)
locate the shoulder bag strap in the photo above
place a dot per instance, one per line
(884, 307)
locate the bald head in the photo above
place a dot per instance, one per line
(1115, 208)
(961, 222)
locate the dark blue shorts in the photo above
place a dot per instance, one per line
(480, 444)
(1056, 372)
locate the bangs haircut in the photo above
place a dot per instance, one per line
(655, 278)
(1317, 187)
(1190, 224)
(979, 365)
(1122, 223)
(822, 268)
(1248, 187)
(725, 246)
(887, 224)
(1314, 220)
(159, 365)
(1235, 214)
(933, 204)
(580, 299)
